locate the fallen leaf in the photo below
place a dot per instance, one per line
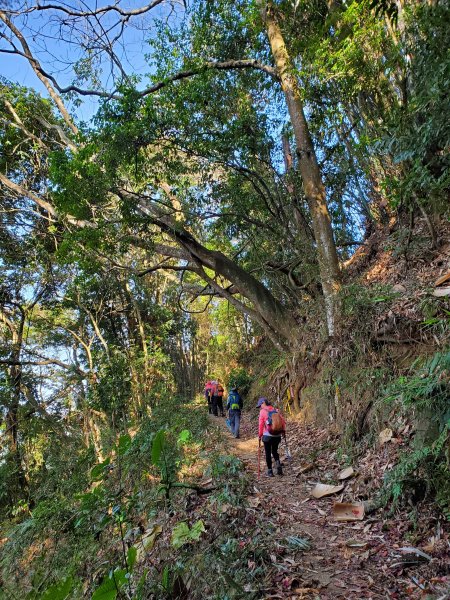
(385, 435)
(253, 501)
(356, 544)
(442, 279)
(346, 473)
(430, 546)
(322, 489)
(147, 541)
(442, 291)
(305, 469)
(398, 288)
(348, 511)
(417, 552)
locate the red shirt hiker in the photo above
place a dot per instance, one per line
(271, 427)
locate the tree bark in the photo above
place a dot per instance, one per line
(268, 311)
(309, 170)
(15, 384)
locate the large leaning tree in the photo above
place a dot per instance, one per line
(183, 160)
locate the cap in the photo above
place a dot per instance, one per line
(261, 401)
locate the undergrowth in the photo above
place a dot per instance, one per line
(424, 393)
(85, 538)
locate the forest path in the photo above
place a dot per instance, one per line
(332, 567)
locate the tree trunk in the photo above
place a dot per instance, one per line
(309, 171)
(14, 379)
(267, 310)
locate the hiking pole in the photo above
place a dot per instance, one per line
(259, 458)
(288, 453)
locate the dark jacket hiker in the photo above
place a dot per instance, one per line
(234, 407)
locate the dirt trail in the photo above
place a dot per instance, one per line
(331, 568)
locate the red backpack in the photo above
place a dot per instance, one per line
(275, 422)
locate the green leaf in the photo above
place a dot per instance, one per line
(98, 471)
(131, 557)
(184, 436)
(123, 444)
(181, 533)
(197, 530)
(165, 580)
(58, 591)
(158, 446)
(121, 577)
(110, 585)
(107, 590)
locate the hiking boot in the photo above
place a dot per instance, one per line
(279, 468)
(270, 473)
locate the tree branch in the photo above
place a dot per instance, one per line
(43, 362)
(228, 65)
(99, 11)
(36, 66)
(19, 190)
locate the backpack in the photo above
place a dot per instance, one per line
(275, 423)
(233, 400)
(220, 390)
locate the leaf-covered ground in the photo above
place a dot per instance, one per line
(402, 554)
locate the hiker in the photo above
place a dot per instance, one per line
(271, 427)
(234, 407)
(214, 397)
(220, 393)
(207, 393)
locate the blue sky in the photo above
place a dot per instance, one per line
(42, 32)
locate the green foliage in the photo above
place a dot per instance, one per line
(182, 534)
(426, 390)
(184, 437)
(158, 447)
(98, 472)
(241, 379)
(93, 433)
(419, 131)
(111, 585)
(429, 466)
(59, 591)
(425, 387)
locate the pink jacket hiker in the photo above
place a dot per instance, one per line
(263, 416)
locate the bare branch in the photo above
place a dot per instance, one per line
(20, 191)
(19, 123)
(228, 65)
(36, 66)
(59, 130)
(99, 11)
(43, 362)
